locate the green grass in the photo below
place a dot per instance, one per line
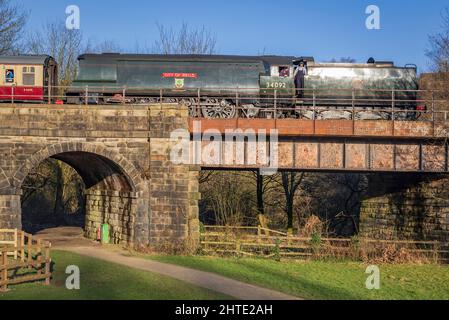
(103, 281)
(327, 280)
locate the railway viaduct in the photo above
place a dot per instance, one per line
(123, 154)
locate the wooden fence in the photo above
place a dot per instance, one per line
(23, 258)
(258, 241)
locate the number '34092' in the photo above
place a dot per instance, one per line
(276, 85)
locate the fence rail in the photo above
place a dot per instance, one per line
(28, 258)
(258, 241)
(272, 101)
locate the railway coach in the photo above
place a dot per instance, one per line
(28, 78)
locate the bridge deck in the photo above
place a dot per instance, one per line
(330, 128)
(330, 145)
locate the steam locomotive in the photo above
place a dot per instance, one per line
(219, 86)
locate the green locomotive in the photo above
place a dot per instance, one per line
(219, 86)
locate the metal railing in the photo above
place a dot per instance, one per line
(429, 105)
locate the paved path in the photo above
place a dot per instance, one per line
(203, 279)
(65, 237)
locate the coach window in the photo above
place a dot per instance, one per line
(9, 76)
(29, 76)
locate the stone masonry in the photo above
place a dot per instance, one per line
(121, 154)
(174, 189)
(420, 211)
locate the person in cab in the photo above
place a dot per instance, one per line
(300, 73)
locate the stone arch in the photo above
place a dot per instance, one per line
(117, 193)
(133, 176)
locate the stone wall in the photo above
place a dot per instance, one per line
(122, 154)
(117, 209)
(419, 212)
(174, 190)
(10, 212)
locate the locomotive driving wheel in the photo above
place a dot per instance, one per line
(215, 109)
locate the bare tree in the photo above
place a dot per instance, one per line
(52, 194)
(62, 44)
(291, 181)
(205, 176)
(12, 22)
(264, 185)
(228, 197)
(185, 40)
(106, 46)
(438, 51)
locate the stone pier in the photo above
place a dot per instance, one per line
(409, 208)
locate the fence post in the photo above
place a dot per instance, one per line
(237, 247)
(289, 236)
(22, 246)
(39, 264)
(30, 249)
(4, 273)
(436, 249)
(47, 264)
(15, 244)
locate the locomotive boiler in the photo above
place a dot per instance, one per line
(219, 86)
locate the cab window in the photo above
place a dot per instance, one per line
(280, 71)
(29, 76)
(284, 71)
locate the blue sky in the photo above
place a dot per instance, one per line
(324, 29)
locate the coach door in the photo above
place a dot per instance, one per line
(8, 80)
(51, 81)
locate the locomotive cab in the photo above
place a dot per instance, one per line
(278, 80)
(283, 71)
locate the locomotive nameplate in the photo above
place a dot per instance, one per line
(179, 75)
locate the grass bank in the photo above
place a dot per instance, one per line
(326, 279)
(101, 280)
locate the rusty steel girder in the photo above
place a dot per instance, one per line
(339, 145)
